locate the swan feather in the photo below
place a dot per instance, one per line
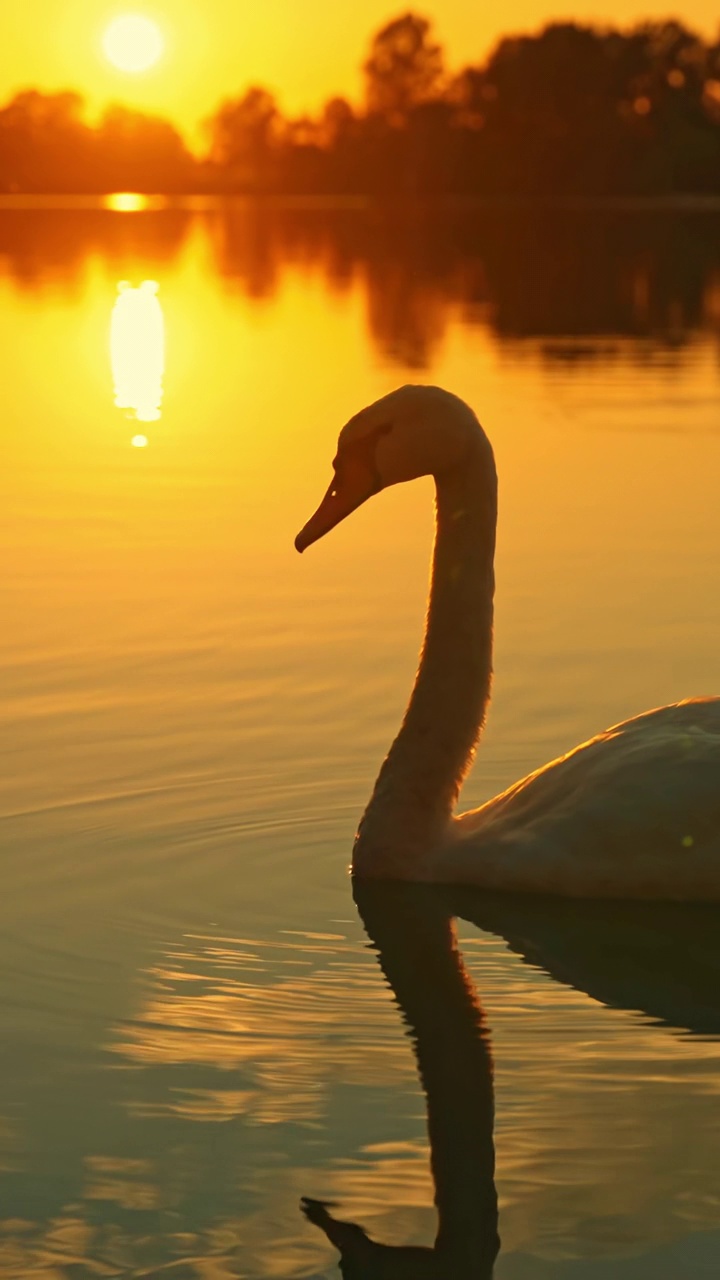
(634, 812)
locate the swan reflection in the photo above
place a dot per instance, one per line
(660, 960)
(413, 932)
(137, 352)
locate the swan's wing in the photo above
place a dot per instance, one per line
(634, 812)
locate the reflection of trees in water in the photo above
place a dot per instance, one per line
(245, 251)
(577, 274)
(571, 274)
(41, 246)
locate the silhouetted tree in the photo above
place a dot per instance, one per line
(570, 111)
(242, 136)
(404, 69)
(44, 143)
(578, 110)
(139, 152)
(337, 122)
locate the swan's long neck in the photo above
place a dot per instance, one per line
(419, 782)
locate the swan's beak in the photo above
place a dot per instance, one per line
(345, 494)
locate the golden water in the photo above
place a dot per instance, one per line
(194, 1032)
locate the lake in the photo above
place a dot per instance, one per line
(196, 1029)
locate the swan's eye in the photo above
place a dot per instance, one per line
(356, 458)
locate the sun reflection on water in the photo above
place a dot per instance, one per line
(137, 352)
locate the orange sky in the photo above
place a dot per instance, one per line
(304, 50)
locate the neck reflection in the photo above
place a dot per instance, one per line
(413, 932)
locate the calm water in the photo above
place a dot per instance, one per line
(196, 1030)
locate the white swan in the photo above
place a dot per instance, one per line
(635, 812)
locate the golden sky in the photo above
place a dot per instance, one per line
(304, 50)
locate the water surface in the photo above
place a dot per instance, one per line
(196, 1030)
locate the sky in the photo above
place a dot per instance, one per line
(303, 50)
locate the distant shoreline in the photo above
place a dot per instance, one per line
(126, 203)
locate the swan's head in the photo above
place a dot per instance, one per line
(414, 431)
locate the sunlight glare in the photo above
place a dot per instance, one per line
(126, 202)
(137, 351)
(133, 43)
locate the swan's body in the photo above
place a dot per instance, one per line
(635, 812)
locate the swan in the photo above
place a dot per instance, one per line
(632, 813)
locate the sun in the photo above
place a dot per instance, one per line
(133, 43)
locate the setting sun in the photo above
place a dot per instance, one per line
(133, 43)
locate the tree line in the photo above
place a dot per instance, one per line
(572, 111)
